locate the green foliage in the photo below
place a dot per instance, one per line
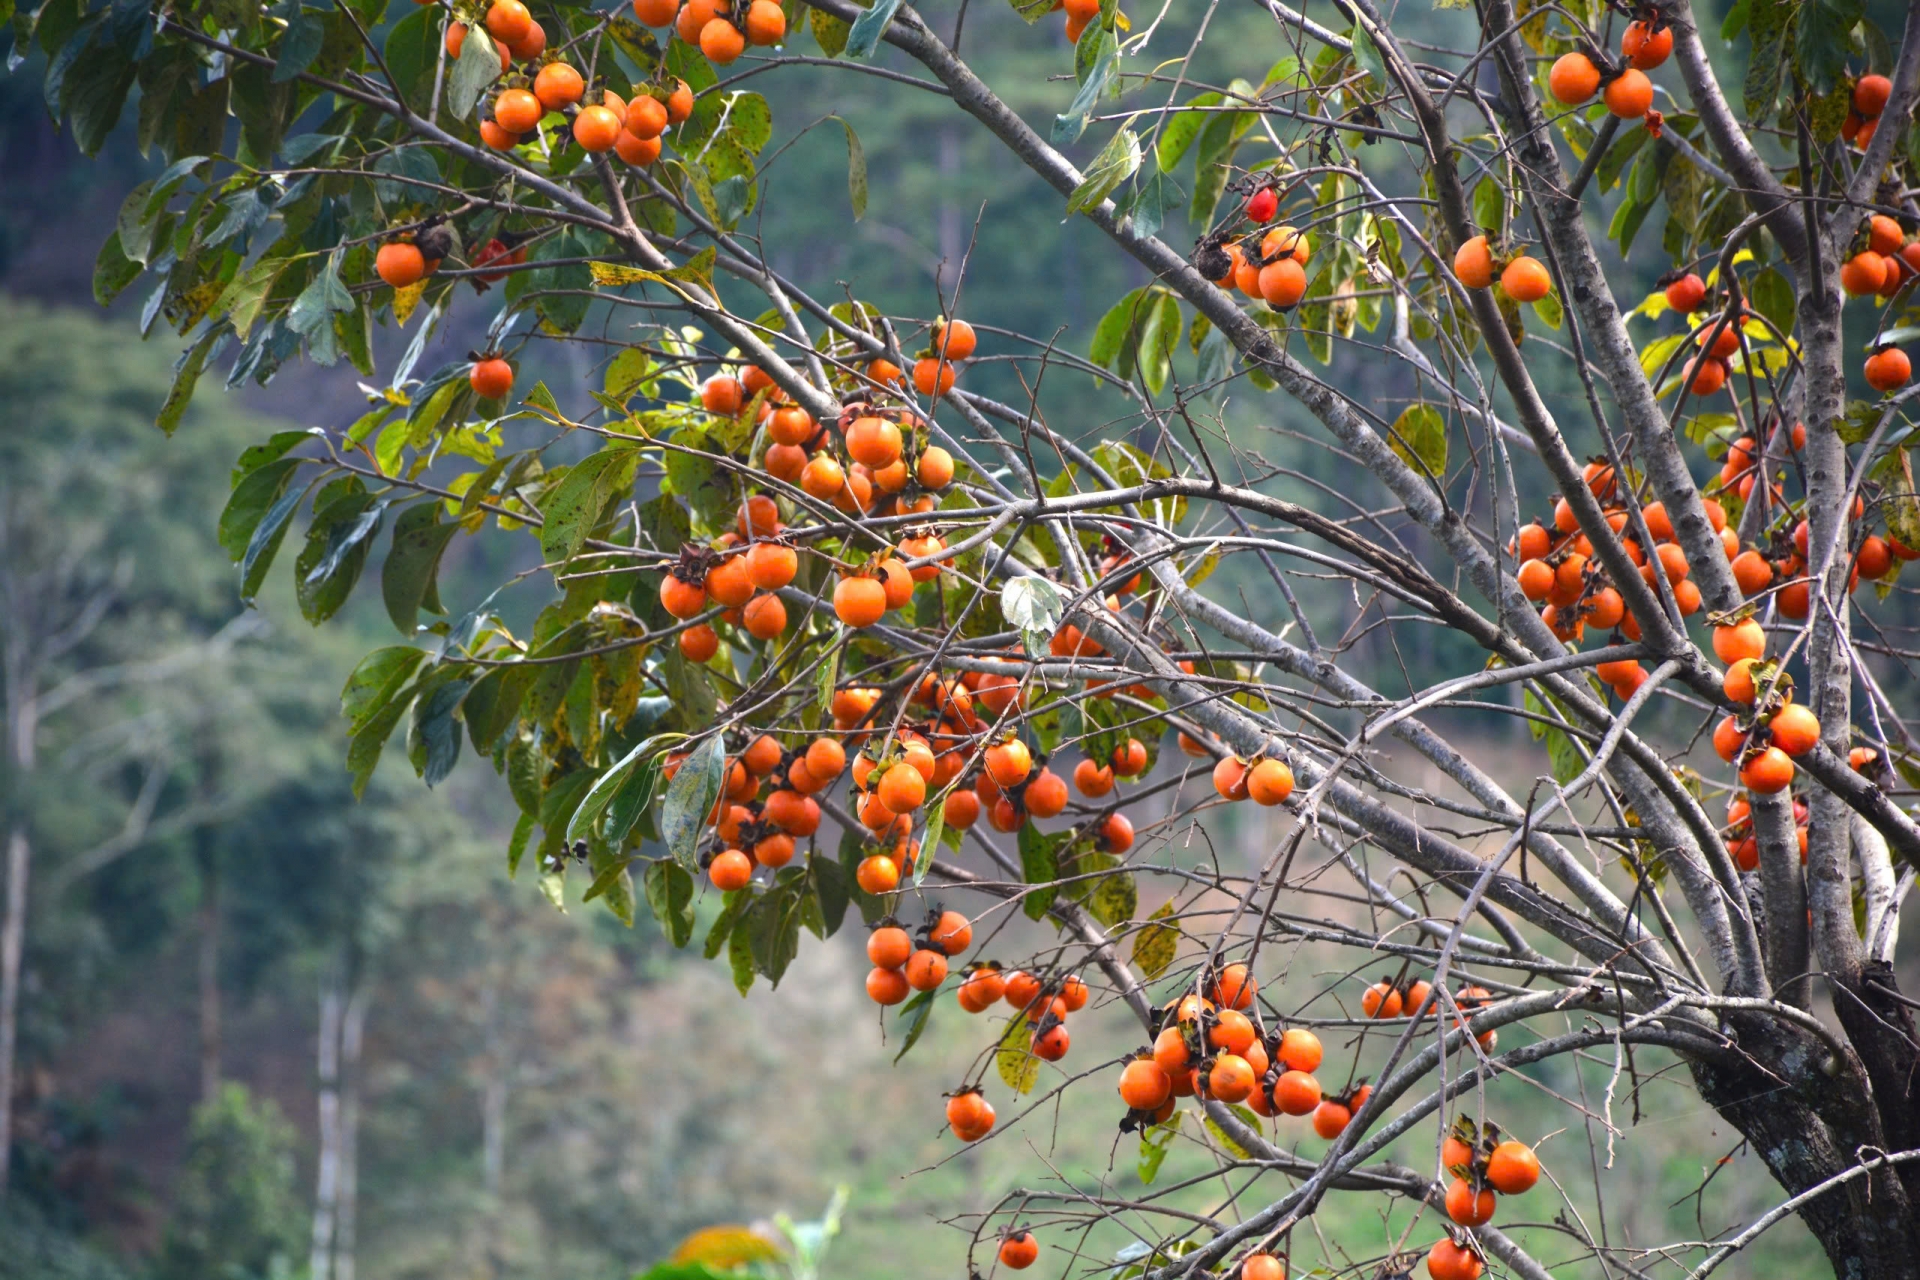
(236, 1211)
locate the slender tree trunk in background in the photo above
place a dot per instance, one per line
(13, 935)
(493, 1097)
(326, 1180)
(209, 927)
(23, 725)
(352, 1036)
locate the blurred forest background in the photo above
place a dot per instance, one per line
(257, 1012)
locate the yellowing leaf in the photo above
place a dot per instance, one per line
(726, 1247)
(405, 300)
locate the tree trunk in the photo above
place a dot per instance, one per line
(326, 1182)
(209, 929)
(352, 1037)
(13, 935)
(1809, 1118)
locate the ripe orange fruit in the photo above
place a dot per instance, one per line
(953, 339)
(655, 13)
(1270, 782)
(721, 41)
(642, 152)
(1330, 1119)
(1752, 572)
(699, 642)
(1283, 282)
(1536, 578)
(770, 565)
(508, 20)
(1743, 639)
(951, 934)
(680, 598)
(1526, 280)
(1888, 370)
(1261, 1266)
(926, 969)
(765, 617)
(496, 136)
(1573, 79)
(647, 118)
(1230, 778)
(596, 128)
(766, 23)
(877, 874)
(1513, 1168)
(1231, 1079)
(1296, 1093)
(1863, 274)
(558, 85)
(1052, 1044)
(400, 263)
(1473, 264)
(1687, 293)
(793, 813)
(969, 1114)
(935, 468)
(1870, 94)
(887, 986)
(1630, 95)
(1300, 1050)
(859, 602)
(1448, 1261)
(679, 102)
(1046, 794)
(1884, 235)
(1738, 683)
(1234, 988)
(491, 379)
(1728, 738)
(983, 987)
(1768, 772)
(1795, 729)
(874, 441)
(1018, 1250)
(1382, 1000)
(1705, 375)
(529, 46)
(889, 947)
(961, 809)
(1466, 1208)
(1144, 1084)
(1645, 46)
(1116, 833)
(1008, 763)
(932, 377)
(902, 788)
(730, 870)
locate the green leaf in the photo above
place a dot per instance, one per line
(690, 798)
(1031, 11)
(376, 681)
(1033, 605)
(1182, 127)
(1111, 334)
(913, 1016)
(493, 704)
(338, 540)
(474, 73)
(1823, 40)
(867, 29)
(301, 44)
(1246, 1117)
(669, 890)
(1420, 439)
(1155, 1142)
(249, 502)
(1156, 942)
(856, 169)
(1113, 166)
(1159, 335)
(186, 375)
(1367, 56)
(610, 808)
(1014, 1059)
(113, 271)
(930, 839)
(829, 32)
(434, 738)
(740, 952)
(1097, 62)
(1773, 297)
(1039, 864)
(1114, 900)
(370, 739)
(575, 505)
(407, 578)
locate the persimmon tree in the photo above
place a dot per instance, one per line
(826, 627)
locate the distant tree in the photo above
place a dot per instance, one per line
(237, 1213)
(782, 548)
